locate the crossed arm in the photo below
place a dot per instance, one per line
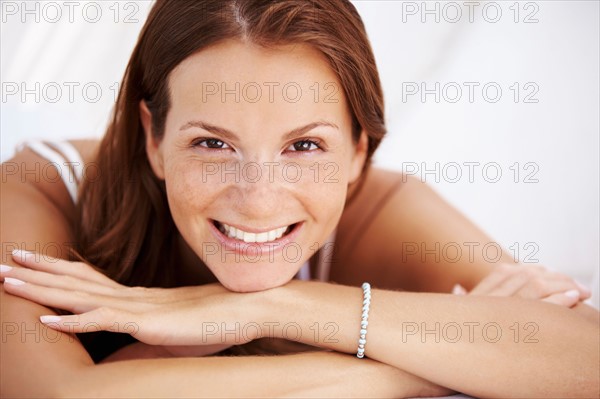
(441, 338)
(402, 360)
(37, 362)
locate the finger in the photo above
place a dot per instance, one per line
(137, 325)
(54, 280)
(496, 277)
(99, 319)
(583, 290)
(510, 285)
(542, 288)
(534, 276)
(73, 301)
(568, 298)
(49, 264)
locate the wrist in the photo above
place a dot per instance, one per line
(315, 313)
(270, 308)
(288, 310)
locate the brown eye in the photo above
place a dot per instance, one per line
(212, 143)
(304, 145)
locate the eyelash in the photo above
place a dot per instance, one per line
(199, 142)
(315, 142)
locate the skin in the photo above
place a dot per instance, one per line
(278, 198)
(63, 368)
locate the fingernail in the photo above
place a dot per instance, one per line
(5, 268)
(13, 281)
(49, 319)
(583, 287)
(572, 294)
(21, 253)
(458, 289)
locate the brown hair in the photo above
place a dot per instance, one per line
(124, 225)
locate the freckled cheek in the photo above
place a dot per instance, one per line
(193, 187)
(189, 190)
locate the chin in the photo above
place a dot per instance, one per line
(252, 283)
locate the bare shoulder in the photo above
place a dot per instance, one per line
(383, 192)
(27, 171)
(390, 233)
(383, 183)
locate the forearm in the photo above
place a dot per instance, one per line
(140, 350)
(587, 312)
(137, 350)
(559, 359)
(314, 374)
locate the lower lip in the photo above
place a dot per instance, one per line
(255, 249)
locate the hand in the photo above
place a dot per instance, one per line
(527, 281)
(200, 315)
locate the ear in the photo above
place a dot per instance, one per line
(153, 149)
(359, 158)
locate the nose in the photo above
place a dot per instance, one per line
(258, 195)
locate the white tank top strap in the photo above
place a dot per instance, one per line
(72, 156)
(65, 158)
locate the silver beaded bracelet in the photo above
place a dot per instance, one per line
(364, 322)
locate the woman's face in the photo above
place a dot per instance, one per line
(257, 156)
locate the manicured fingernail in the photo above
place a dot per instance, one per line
(13, 281)
(583, 287)
(5, 268)
(572, 294)
(458, 290)
(20, 253)
(49, 319)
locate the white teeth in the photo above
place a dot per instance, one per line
(272, 235)
(262, 237)
(239, 234)
(249, 237)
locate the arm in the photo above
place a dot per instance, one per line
(424, 244)
(431, 219)
(329, 375)
(36, 361)
(471, 344)
(557, 355)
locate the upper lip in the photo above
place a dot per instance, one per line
(248, 229)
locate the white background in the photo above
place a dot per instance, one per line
(554, 58)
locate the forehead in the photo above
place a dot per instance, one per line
(235, 77)
(238, 60)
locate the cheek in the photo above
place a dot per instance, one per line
(194, 188)
(323, 190)
(189, 190)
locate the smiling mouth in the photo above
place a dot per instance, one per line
(248, 237)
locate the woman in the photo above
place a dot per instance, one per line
(240, 149)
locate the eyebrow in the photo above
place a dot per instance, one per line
(228, 134)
